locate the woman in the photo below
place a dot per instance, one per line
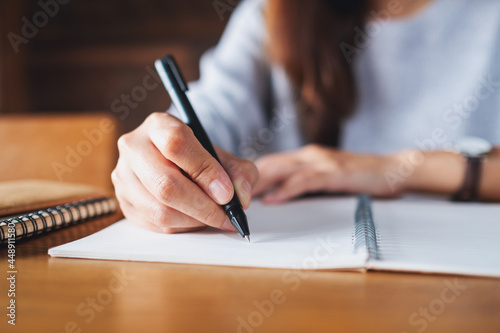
(392, 83)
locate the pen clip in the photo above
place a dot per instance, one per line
(170, 61)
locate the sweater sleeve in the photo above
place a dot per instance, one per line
(230, 97)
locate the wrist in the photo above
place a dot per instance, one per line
(474, 151)
(435, 171)
(399, 169)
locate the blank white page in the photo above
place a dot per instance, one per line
(438, 236)
(310, 233)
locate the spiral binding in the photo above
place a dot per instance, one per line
(55, 218)
(365, 235)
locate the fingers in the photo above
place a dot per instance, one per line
(148, 210)
(243, 174)
(152, 187)
(288, 175)
(177, 143)
(307, 181)
(274, 169)
(134, 216)
(166, 183)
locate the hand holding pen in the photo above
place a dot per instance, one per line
(174, 82)
(151, 184)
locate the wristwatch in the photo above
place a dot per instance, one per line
(474, 151)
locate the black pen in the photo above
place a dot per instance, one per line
(176, 87)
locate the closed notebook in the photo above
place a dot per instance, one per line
(427, 236)
(32, 207)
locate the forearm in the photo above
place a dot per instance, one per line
(443, 172)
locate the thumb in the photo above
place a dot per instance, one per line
(243, 174)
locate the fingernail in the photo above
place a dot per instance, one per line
(227, 225)
(244, 190)
(220, 192)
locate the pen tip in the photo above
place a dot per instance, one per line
(247, 238)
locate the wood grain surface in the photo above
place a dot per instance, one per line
(74, 295)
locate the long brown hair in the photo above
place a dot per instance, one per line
(305, 38)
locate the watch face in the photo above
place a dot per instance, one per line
(473, 146)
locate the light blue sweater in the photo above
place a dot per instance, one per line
(424, 82)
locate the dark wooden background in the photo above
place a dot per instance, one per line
(93, 51)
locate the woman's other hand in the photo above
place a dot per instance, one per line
(318, 169)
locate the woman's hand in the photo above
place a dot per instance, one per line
(319, 169)
(152, 185)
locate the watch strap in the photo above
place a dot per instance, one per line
(470, 187)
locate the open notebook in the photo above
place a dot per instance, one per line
(321, 233)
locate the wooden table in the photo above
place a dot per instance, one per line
(71, 295)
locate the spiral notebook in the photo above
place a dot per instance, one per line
(427, 236)
(29, 208)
